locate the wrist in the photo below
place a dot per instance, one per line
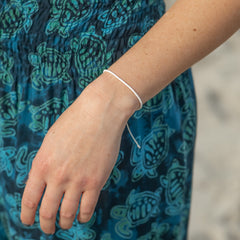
(127, 85)
(115, 95)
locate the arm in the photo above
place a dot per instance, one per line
(81, 148)
(185, 34)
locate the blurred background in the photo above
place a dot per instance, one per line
(216, 184)
(215, 211)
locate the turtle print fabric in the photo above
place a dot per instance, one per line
(49, 52)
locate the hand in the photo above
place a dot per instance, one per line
(77, 155)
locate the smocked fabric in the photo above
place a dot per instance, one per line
(49, 52)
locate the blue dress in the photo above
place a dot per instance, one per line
(50, 50)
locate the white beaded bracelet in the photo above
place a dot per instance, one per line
(137, 96)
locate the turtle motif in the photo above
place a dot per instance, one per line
(8, 115)
(189, 129)
(50, 66)
(154, 150)
(139, 208)
(23, 165)
(90, 55)
(157, 232)
(118, 14)
(10, 105)
(15, 16)
(7, 155)
(67, 14)
(6, 64)
(78, 231)
(174, 183)
(116, 173)
(163, 101)
(45, 115)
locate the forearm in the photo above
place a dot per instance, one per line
(186, 33)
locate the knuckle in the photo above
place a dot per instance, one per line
(46, 214)
(67, 215)
(43, 166)
(89, 182)
(29, 203)
(66, 219)
(60, 177)
(96, 182)
(80, 182)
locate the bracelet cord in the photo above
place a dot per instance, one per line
(137, 96)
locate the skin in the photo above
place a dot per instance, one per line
(76, 159)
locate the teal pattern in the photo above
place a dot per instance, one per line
(174, 184)
(50, 50)
(16, 16)
(7, 156)
(65, 15)
(139, 208)
(115, 176)
(118, 14)
(50, 66)
(157, 232)
(44, 114)
(6, 64)
(23, 165)
(154, 149)
(89, 52)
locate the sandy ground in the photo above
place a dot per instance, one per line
(216, 196)
(215, 213)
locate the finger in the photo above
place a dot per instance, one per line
(69, 208)
(49, 208)
(87, 206)
(31, 197)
